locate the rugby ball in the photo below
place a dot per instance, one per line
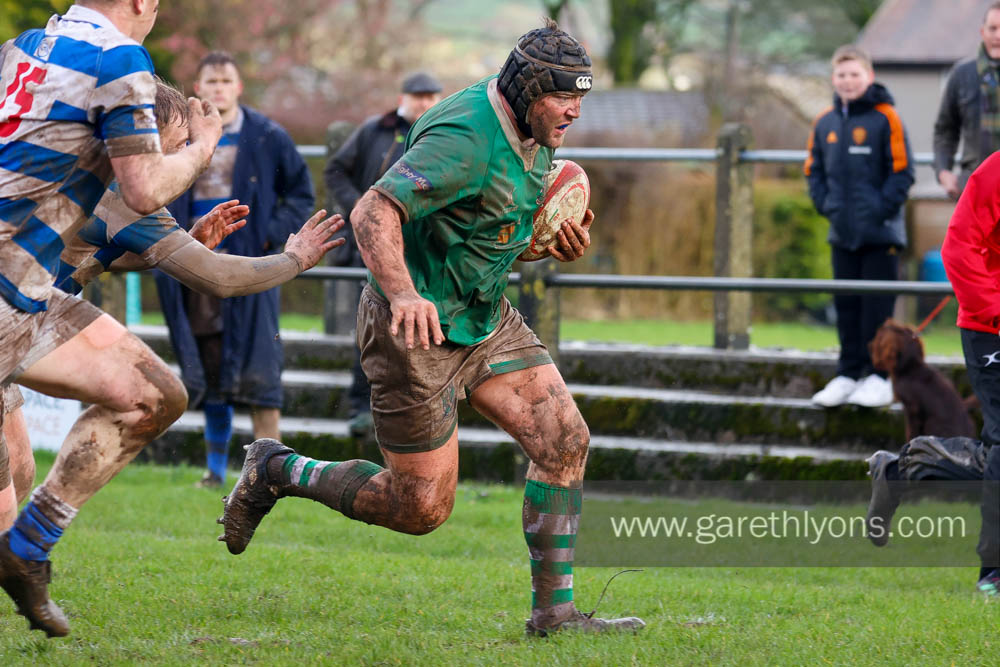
(566, 196)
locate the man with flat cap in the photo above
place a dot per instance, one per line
(373, 147)
(439, 233)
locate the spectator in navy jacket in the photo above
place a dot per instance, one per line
(229, 350)
(859, 170)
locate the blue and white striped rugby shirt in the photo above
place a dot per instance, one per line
(71, 96)
(113, 230)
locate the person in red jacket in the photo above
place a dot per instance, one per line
(971, 254)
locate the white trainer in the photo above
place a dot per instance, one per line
(835, 392)
(873, 391)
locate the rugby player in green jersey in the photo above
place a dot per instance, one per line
(439, 233)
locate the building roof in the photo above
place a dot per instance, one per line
(923, 32)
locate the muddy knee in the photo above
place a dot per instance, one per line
(166, 403)
(565, 450)
(426, 514)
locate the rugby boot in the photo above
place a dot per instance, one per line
(579, 622)
(252, 497)
(26, 582)
(209, 481)
(885, 497)
(990, 584)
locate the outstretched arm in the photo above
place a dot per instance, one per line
(233, 275)
(378, 230)
(210, 230)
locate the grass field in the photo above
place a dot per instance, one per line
(144, 582)
(941, 338)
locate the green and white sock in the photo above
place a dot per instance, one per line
(333, 483)
(551, 518)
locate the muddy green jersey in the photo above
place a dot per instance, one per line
(468, 188)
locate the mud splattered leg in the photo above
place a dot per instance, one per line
(414, 495)
(536, 408)
(8, 501)
(22, 460)
(20, 467)
(8, 506)
(133, 397)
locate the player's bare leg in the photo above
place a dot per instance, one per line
(22, 460)
(8, 505)
(20, 467)
(535, 407)
(134, 397)
(8, 501)
(265, 422)
(414, 495)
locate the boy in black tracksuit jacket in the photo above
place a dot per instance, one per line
(859, 171)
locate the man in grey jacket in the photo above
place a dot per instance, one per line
(970, 110)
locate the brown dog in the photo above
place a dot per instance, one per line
(930, 402)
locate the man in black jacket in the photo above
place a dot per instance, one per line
(970, 110)
(365, 156)
(859, 171)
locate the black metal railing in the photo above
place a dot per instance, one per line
(734, 162)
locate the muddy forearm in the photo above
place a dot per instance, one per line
(378, 230)
(129, 262)
(150, 181)
(228, 275)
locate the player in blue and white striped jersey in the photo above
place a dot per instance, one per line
(117, 237)
(79, 96)
(77, 109)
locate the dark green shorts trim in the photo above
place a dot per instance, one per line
(521, 364)
(416, 448)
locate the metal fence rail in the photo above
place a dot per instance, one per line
(734, 162)
(539, 302)
(664, 155)
(694, 283)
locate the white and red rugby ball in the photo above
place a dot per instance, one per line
(567, 195)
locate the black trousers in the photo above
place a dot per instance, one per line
(860, 315)
(982, 361)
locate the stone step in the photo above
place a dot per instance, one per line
(757, 372)
(490, 454)
(667, 414)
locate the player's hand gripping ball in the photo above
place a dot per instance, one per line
(567, 195)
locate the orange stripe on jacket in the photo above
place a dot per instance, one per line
(807, 167)
(897, 140)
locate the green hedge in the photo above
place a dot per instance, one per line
(789, 242)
